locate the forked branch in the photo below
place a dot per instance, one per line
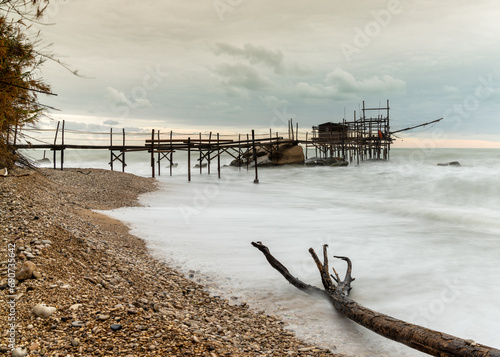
(309, 289)
(420, 338)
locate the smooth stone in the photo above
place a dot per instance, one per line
(46, 241)
(42, 310)
(26, 271)
(19, 352)
(75, 306)
(116, 327)
(29, 255)
(102, 317)
(34, 346)
(78, 324)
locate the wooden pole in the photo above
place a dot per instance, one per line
(111, 147)
(271, 142)
(248, 158)
(255, 158)
(189, 159)
(123, 150)
(55, 142)
(218, 156)
(62, 147)
(201, 158)
(152, 153)
(239, 152)
(315, 146)
(209, 149)
(388, 132)
(277, 148)
(159, 154)
(171, 154)
(306, 144)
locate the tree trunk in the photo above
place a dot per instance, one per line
(423, 339)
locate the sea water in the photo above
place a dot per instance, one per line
(424, 240)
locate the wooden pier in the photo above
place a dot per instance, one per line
(204, 148)
(363, 138)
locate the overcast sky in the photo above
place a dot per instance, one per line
(239, 64)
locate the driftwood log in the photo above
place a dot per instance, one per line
(432, 342)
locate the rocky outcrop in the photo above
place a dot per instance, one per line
(332, 161)
(291, 155)
(285, 155)
(451, 163)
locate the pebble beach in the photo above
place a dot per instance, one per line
(76, 283)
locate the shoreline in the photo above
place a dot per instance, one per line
(96, 275)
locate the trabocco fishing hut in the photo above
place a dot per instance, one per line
(364, 138)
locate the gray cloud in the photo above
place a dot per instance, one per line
(342, 85)
(221, 106)
(347, 83)
(240, 76)
(120, 98)
(111, 122)
(273, 102)
(254, 54)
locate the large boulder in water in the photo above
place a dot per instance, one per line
(291, 155)
(287, 154)
(451, 163)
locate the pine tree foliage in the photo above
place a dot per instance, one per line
(20, 78)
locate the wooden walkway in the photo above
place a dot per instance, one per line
(203, 148)
(363, 138)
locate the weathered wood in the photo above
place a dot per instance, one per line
(255, 158)
(152, 154)
(189, 159)
(112, 159)
(62, 145)
(171, 154)
(420, 338)
(123, 150)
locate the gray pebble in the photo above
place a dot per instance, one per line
(78, 324)
(116, 327)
